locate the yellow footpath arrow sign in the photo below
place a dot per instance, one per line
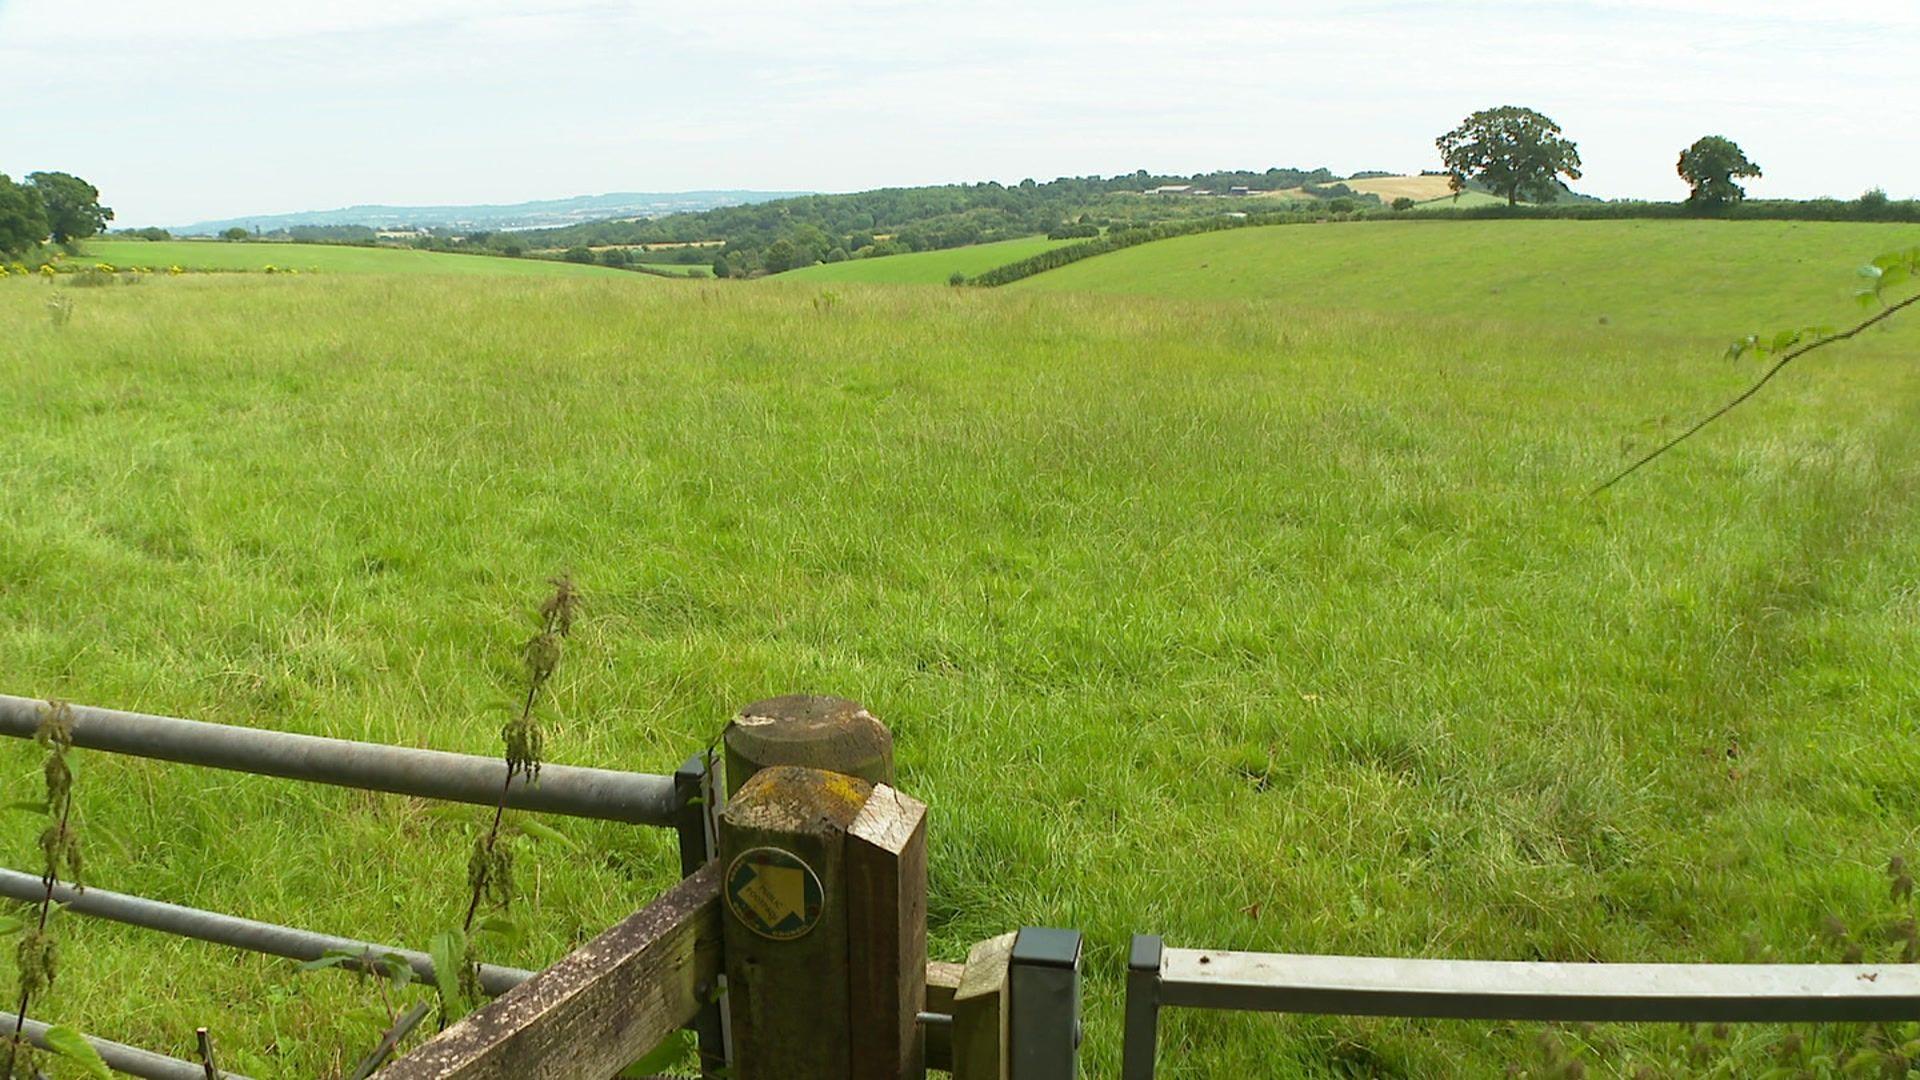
(776, 893)
(773, 893)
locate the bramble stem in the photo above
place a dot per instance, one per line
(1881, 316)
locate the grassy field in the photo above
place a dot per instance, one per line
(324, 258)
(925, 267)
(1272, 621)
(1618, 279)
(681, 269)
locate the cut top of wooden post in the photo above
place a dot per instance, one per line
(792, 799)
(827, 733)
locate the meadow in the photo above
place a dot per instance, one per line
(680, 269)
(1678, 280)
(1266, 612)
(316, 258)
(925, 267)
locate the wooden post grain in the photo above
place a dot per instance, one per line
(604, 1005)
(783, 841)
(825, 890)
(887, 950)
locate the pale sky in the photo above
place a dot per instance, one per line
(216, 108)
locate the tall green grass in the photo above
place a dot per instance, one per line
(1254, 622)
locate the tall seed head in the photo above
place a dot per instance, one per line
(557, 612)
(490, 871)
(56, 726)
(525, 743)
(59, 776)
(60, 851)
(38, 957)
(542, 654)
(470, 973)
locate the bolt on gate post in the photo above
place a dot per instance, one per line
(824, 896)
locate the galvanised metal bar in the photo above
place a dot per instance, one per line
(1507, 990)
(634, 798)
(1501, 990)
(230, 930)
(122, 1058)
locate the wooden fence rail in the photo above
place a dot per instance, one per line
(603, 1006)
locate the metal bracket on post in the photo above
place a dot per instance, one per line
(1143, 1007)
(694, 788)
(1043, 986)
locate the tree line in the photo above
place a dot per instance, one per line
(785, 233)
(48, 207)
(1520, 154)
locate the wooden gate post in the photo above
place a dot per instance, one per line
(827, 733)
(824, 891)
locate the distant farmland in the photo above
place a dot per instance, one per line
(925, 267)
(328, 258)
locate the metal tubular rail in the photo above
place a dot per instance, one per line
(230, 930)
(1501, 990)
(120, 1057)
(610, 795)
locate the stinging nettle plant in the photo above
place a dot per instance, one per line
(37, 954)
(490, 863)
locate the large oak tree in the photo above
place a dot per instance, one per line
(1711, 165)
(1516, 152)
(73, 206)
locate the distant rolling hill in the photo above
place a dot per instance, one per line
(540, 214)
(326, 258)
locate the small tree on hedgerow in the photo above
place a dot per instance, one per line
(1517, 152)
(1711, 166)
